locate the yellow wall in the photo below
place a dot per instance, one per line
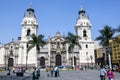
(115, 51)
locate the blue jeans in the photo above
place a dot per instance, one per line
(102, 77)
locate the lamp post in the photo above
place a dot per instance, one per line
(6, 57)
(87, 61)
(108, 52)
(91, 57)
(26, 56)
(26, 60)
(22, 52)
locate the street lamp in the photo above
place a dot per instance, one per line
(6, 57)
(91, 57)
(88, 61)
(26, 60)
(108, 51)
(22, 52)
(26, 55)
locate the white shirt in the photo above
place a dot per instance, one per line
(103, 72)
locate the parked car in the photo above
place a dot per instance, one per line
(61, 67)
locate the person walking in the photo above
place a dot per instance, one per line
(47, 70)
(103, 73)
(51, 71)
(56, 71)
(34, 74)
(38, 73)
(110, 74)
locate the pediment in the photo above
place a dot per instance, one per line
(12, 43)
(57, 39)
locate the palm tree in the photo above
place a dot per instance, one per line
(37, 42)
(105, 35)
(72, 40)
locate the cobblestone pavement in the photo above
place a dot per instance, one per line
(12, 76)
(77, 75)
(64, 75)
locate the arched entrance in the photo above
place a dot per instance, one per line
(58, 60)
(42, 62)
(10, 62)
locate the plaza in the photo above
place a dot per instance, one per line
(56, 52)
(90, 74)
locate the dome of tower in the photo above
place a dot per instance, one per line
(30, 8)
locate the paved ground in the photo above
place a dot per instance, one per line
(64, 75)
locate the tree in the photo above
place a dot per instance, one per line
(37, 42)
(105, 35)
(72, 40)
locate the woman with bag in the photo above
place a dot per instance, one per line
(110, 74)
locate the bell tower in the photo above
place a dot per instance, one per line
(29, 24)
(83, 30)
(83, 25)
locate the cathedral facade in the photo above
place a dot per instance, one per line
(55, 52)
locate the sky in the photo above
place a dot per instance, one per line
(57, 15)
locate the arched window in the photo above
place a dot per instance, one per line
(28, 32)
(58, 45)
(42, 62)
(84, 33)
(27, 46)
(86, 46)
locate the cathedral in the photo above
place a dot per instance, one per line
(55, 52)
